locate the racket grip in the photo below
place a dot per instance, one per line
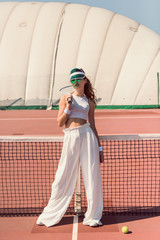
(69, 100)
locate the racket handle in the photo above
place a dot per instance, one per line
(69, 100)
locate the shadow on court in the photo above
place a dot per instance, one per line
(110, 223)
(65, 225)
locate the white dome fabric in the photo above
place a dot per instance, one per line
(41, 43)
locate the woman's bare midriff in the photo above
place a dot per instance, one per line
(74, 122)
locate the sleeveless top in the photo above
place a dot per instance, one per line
(80, 107)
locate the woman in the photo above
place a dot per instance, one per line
(80, 145)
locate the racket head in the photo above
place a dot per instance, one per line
(66, 90)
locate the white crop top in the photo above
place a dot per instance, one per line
(80, 107)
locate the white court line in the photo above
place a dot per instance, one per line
(22, 119)
(75, 228)
(145, 117)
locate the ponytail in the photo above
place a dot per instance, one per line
(89, 91)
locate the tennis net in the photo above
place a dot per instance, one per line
(130, 174)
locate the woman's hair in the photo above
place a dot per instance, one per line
(89, 91)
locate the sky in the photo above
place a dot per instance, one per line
(146, 12)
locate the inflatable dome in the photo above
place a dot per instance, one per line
(41, 42)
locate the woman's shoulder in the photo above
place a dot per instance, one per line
(62, 99)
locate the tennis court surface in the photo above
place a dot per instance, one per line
(31, 144)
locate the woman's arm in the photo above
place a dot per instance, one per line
(62, 116)
(91, 120)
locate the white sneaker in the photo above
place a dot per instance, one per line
(94, 223)
(39, 223)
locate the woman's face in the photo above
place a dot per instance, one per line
(78, 83)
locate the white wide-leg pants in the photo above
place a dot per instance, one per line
(80, 144)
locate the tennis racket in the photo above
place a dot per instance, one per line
(67, 90)
(78, 207)
(64, 90)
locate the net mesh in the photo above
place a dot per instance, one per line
(130, 175)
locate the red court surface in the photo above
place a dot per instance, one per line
(108, 122)
(140, 227)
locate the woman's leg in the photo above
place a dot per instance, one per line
(64, 183)
(90, 164)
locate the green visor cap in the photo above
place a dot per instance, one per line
(76, 73)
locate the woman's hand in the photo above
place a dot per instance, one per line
(68, 100)
(101, 157)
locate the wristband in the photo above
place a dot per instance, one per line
(100, 149)
(67, 111)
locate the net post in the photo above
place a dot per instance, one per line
(158, 86)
